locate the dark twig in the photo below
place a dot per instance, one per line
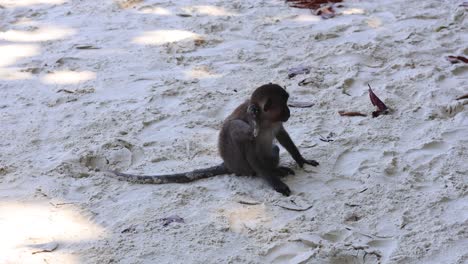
(462, 97)
(346, 113)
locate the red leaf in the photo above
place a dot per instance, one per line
(381, 107)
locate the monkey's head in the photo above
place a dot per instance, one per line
(270, 102)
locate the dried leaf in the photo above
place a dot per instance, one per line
(326, 12)
(84, 47)
(462, 97)
(440, 28)
(298, 70)
(46, 247)
(300, 104)
(306, 81)
(346, 113)
(130, 229)
(172, 219)
(381, 107)
(65, 91)
(329, 138)
(310, 4)
(457, 59)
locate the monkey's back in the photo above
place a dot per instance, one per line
(233, 153)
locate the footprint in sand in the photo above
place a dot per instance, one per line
(427, 152)
(294, 252)
(335, 236)
(117, 152)
(349, 162)
(456, 135)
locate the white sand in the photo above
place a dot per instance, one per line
(151, 98)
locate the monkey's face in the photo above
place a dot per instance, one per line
(276, 109)
(270, 103)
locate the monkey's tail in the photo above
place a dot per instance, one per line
(174, 178)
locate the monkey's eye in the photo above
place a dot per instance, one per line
(267, 105)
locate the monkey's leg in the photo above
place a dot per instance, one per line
(274, 159)
(270, 174)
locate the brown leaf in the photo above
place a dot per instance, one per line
(326, 12)
(298, 70)
(46, 247)
(457, 59)
(310, 4)
(86, 47)
(463, 97)
(172, 219)
(345, 113)
(381, 107)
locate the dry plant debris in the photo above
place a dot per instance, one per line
(311, 4)
(382, 109)
(346, 113)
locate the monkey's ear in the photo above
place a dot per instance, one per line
(267, 105)
(253, 109)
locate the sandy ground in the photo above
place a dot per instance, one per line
(142, 86)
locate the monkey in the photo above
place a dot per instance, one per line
(246, 143)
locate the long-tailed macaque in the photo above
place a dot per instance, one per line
(246, 143)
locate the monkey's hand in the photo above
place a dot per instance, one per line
(303, 161)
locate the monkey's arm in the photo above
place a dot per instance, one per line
(288, 144)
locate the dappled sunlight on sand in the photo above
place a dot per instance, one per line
(9, 54)
(23, 225)
(13, 74)
(20, 3)
(201, 73)
(374, 22)
(159, 37)
(307, 18)
(155, 10)
(44, 33)
(242, 219)
(208, 10)
(68, 77)
(353, 11)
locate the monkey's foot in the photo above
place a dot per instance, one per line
(285, 171)
(282, 188)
